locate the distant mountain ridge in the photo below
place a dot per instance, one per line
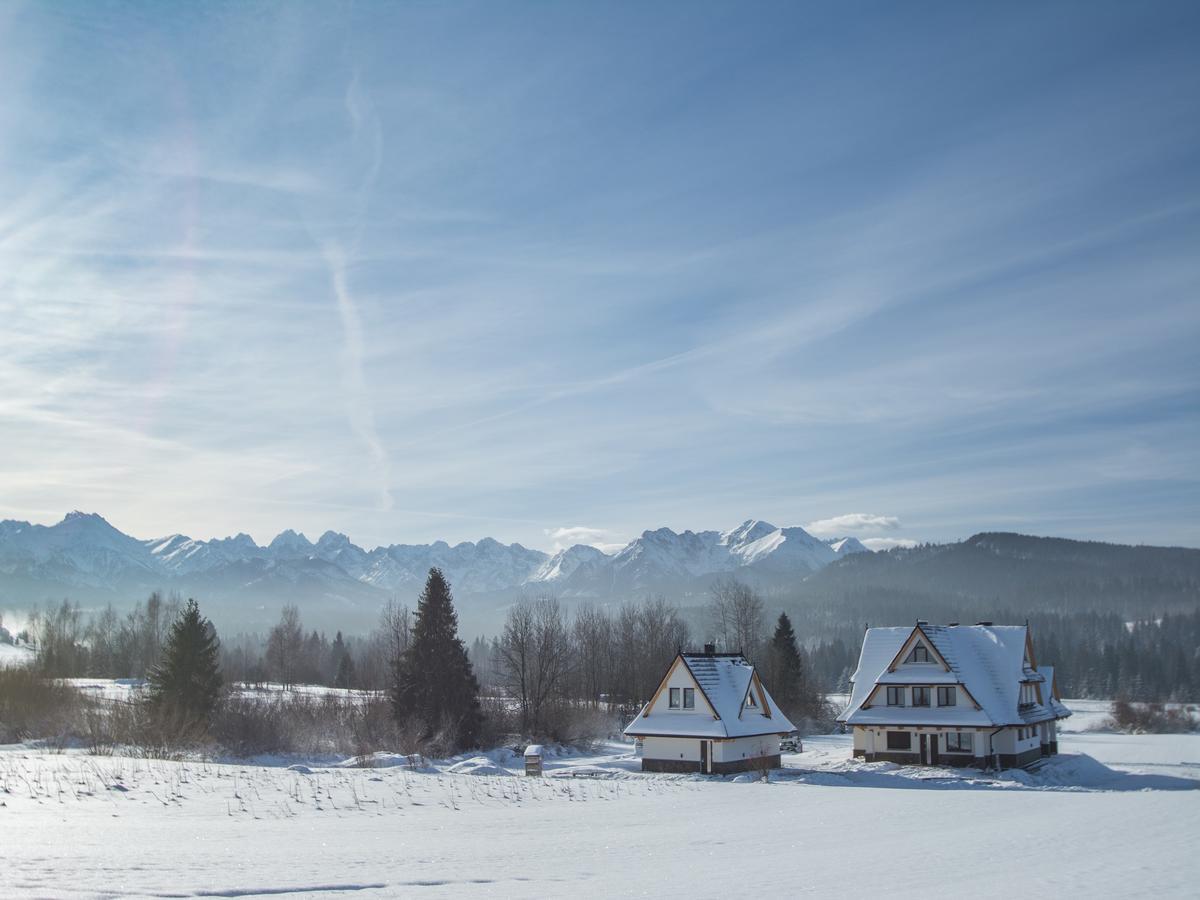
(338, 584)
(85, 557)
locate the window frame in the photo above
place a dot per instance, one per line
(912, 654)
(899, 690)
(958, 736)
(908, 742)
(947, 691)
(689, 698)
(922, 692)
(673, 698)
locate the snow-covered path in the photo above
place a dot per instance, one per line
(79, 826)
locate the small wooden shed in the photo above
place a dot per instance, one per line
(533, 759)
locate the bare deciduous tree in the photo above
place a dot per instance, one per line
(535, 657)
(736, 618)
(285, 645)
(593, 634)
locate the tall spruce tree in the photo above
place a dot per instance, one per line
(187, 682)
(433, 679)
(785, 667)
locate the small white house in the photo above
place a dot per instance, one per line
(710, 714)
(953, 695)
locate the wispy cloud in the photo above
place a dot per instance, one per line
(600, 538)
(852, 524)
(444, 285)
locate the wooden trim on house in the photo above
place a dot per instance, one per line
(1029, 647)
(696, 681)
(756, 686)
(667, 677)
(662, 684)
(970, 696)
(866, 704)
(908, 641)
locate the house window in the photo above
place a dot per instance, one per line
(920, 696)
(895, 696)
(947, 695)
(960, 742)
(919, 654)
(674, 699)
(899, 740)
(689, 698)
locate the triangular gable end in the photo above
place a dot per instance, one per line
(1030, 656)
(678, 660)
(755, 697)
(911, 641)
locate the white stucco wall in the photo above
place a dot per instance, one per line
(745, 748)
(671, 748)
(874, 740)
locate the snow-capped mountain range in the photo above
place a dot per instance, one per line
(83, 555)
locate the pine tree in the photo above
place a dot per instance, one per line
(346, 677)
(187, 682)
(788, 681)
(433, 680)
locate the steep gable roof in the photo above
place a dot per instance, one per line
(723, 680)
(988, 661)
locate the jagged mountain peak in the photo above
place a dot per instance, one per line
(85, 550)
(844, 546)
(333, 540)
(749, 531)
(289, 541)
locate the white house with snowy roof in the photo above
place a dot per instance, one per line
(712, 714)
(953, 695)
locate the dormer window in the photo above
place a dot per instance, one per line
(751, 702)
(919, 654)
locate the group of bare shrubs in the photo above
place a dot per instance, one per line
(36, 708)
(1153, 718)
(309, 724)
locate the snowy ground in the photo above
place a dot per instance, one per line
(12, 655)
(1114, 814)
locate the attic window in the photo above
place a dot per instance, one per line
(673, 700)
(689, 698)
(750, 701)
(919, 654)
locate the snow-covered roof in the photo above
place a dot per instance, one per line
(989, 661)
(724, 681)
(1048, 698)
(533, 750)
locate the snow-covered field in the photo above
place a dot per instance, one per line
(12, 655)
(1112, 815)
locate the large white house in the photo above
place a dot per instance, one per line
(953, 695)
(710, 714)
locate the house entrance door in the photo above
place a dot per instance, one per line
(925, 748)
(933, 750)
(705, 766)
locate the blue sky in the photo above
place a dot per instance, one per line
(550, 272)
